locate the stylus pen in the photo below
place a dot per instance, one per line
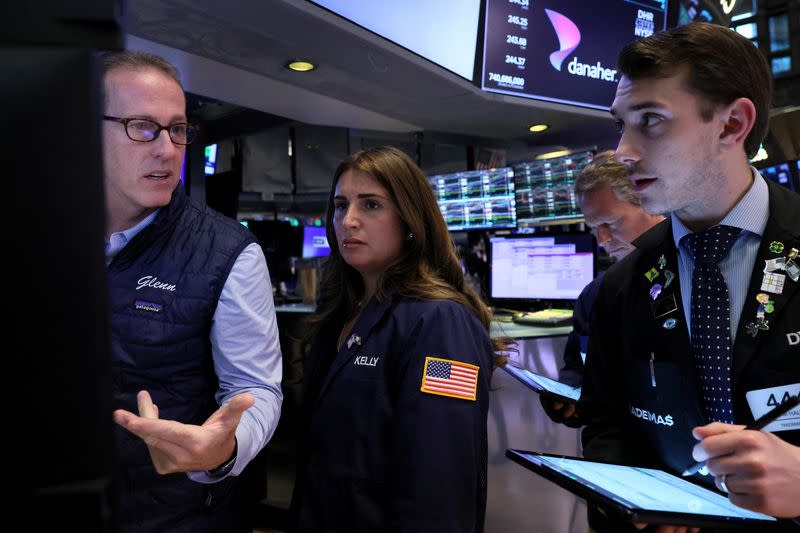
(761, 423)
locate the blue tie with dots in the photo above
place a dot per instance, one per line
(711, 324)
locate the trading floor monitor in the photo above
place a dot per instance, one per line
(476, 199)
(532, 271)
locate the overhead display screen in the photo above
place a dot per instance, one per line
(563, 50)
(444, 31)
(545, 189)
(476, 199)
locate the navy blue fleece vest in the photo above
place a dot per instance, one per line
(164, 287)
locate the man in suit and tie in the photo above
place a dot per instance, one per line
(693, 329)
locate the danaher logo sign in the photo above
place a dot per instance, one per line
(569, 38)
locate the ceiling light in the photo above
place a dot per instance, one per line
(549, 155)
(301, 66)
(536, 128)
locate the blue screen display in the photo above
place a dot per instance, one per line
(315, 243)
(781, 174)
(210, 164)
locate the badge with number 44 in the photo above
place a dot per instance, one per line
(762, 401)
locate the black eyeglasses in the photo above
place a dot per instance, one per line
(144, 131)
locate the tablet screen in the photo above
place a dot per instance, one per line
(538, 383)
(644, 488)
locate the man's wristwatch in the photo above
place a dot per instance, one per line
(225, 468)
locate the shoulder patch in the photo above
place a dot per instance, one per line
(445, 377)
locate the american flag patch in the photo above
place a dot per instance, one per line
(450, 378)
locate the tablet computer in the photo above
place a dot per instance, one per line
(640, 494)
(545, 386)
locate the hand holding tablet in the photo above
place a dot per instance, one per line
(759, 424)
(642, 495)
(760, 471)
(544, 385)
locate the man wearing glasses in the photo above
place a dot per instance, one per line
(195, 353)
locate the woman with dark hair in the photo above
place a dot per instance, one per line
(397, 377)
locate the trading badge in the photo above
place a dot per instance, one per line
(776, 247)
(651, 274)
(662, 262)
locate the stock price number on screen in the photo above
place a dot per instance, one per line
(515, 60)
(519, 21)
(516, 39)
(507, 80)
(522, 3)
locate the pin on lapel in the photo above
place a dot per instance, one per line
(669, 323)
(791, 267)
(776, 247)
(773, 282)
(655, 290)
(354, 339)
(651, 274)
(662, 262)
(758, 325)
(765, 307)
(774, 265)
(670, 276)
(789, 264)
(766, 303)
(664, 306)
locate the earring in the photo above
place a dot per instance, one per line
(410, 236)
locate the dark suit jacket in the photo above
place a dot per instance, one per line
(379, 455)
(577, 341)
(640, 395)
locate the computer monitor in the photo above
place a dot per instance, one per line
(210, 159)
(544, 189)
(315, 242)
(279, 241)
(780, 173)
(529, 271)
(476, 199)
